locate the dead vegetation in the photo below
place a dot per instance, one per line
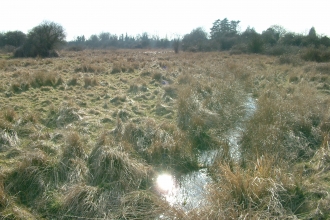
(84, 135)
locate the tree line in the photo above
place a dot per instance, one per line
(106, 40)
(224, 35)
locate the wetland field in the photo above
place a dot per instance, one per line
(151, 134)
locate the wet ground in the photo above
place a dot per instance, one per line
(188, 191)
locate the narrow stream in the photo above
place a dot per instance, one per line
(187, 191)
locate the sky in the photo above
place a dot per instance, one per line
(171, 18)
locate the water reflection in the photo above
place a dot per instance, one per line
(167, 186)
(188, 191)
(185, 191)
(165, 182)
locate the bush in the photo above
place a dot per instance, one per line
(256, 44)
(315, 54)
(14, 38)
(176, 45)
(42, 41)
(195, 41)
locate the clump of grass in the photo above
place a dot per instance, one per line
(43, 78)
(74, 146)
(30, 117)
(157, 76)
(147, 205)
(116, 68)
(36, 79)
(323, 68)
(263, 191)
(3, 196)
(110, 167)
(84, 201)
(163, 146)
(185, 78)
(85, 67)
(135, 87)
(63, 115)
(145, 73)
(73, 81)
(10, 114)
(171, 91)
(8, 140)
(203, 112)
(118, 98)
(31, 178)
(72, 166)
(283, 128)
(90, 81)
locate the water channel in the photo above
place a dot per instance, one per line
(188, 191)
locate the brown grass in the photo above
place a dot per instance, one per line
(78, 142)
(264, 191)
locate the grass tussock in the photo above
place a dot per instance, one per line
(264, 191)
(202, 111)
(146, 205)
(8, 140)
(31, 178)
(62, 115)
(282, 128)
(87, 67)
(114, 169)
(90, 81)
(83, 201)
(36, 79)
(162, 145)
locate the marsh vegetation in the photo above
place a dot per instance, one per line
(87, 135)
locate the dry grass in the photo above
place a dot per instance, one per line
(31, 178)
(287, 125)
(260, 192)
(78, 142)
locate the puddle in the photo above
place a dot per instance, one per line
(187, 191)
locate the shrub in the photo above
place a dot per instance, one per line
(256, 44)
(316, 54)
(42, 41)
(176, 45)
(276, 50)
(14, 38)
(75, 48)
(289, 59)
(196, 40)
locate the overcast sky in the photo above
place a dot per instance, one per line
(171, 17)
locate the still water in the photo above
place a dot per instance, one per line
(188, 191)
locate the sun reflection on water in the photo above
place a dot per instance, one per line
(167, 187)
(165, 182)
